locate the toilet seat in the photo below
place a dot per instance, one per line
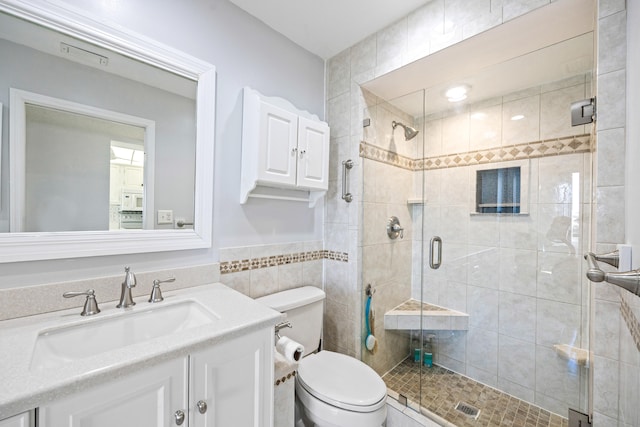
(342, 381)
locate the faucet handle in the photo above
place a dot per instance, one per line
(129, 278)
(156, 293)
(90, 305)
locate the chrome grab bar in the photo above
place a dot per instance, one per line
(629, 280)
(438, 263)
(346, 196)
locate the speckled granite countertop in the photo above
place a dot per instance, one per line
(24, 387)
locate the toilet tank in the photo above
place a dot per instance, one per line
(304, 309)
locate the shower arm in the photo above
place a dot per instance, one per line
(629, 280)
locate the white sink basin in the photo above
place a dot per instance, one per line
(70, 343)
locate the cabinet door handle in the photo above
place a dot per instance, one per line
(294, 151)
(202, 406)
(302, 152)
(179, 417)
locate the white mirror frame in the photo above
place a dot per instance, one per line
(15, 247)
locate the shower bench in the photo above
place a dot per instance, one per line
(406, 316)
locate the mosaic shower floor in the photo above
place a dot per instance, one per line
(442, 389)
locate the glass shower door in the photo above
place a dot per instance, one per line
(391, 240)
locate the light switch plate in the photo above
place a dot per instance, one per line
(165, 217)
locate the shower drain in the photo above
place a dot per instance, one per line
(468, 410)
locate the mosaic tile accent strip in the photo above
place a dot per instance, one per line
(237, 266)
(631, 320)
(378, 154)
(442, 389)
(530, 150)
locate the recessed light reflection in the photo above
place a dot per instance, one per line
(479, 116)
(457, 93)
(517, 117)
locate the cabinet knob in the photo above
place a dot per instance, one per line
(202, 406)
(179, 417)
(294, 151)
(302, 153)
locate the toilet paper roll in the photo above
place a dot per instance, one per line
(290, 349)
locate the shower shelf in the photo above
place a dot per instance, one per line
(573, 354)
(406, 316)
(415, 201)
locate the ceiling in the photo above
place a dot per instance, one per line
(510, 57)
(328, 27)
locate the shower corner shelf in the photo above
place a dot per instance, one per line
(406, 316)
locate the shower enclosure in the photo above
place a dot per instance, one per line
(495, 184)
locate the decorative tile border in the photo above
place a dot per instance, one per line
(237, 266)
(529, 150)
(381, 155)
(631, 320)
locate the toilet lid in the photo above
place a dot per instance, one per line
(341, 381)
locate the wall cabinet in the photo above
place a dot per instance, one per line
(124, 178)
(22, 420)
(285, 151)
(228, 384)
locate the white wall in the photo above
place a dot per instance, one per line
(245, 53)
(66, 176)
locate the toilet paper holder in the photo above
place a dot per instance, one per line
(281, 325)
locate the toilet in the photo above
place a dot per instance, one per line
(332, 389)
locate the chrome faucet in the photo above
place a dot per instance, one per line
(129, 282)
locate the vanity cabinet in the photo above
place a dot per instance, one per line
(148, 398)
(282, 148)
(235, 382)
(230, 384)
(22, 420)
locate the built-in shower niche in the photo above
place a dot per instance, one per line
(498, 191)
(501, 188)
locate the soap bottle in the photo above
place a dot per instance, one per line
(416, 347)
(427, 350)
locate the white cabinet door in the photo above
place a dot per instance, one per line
(22, 420)
(277, 145)
(133, 177)
(149, 398)
(313, 154)
(235, 380)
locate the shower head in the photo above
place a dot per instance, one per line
(409, 132)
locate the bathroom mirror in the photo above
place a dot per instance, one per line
(71, 72)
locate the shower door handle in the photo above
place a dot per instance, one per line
(432, 245)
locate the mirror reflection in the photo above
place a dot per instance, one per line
(123, 150)
(80, 168)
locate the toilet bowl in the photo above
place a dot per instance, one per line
(332, 389)
(335, 390)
